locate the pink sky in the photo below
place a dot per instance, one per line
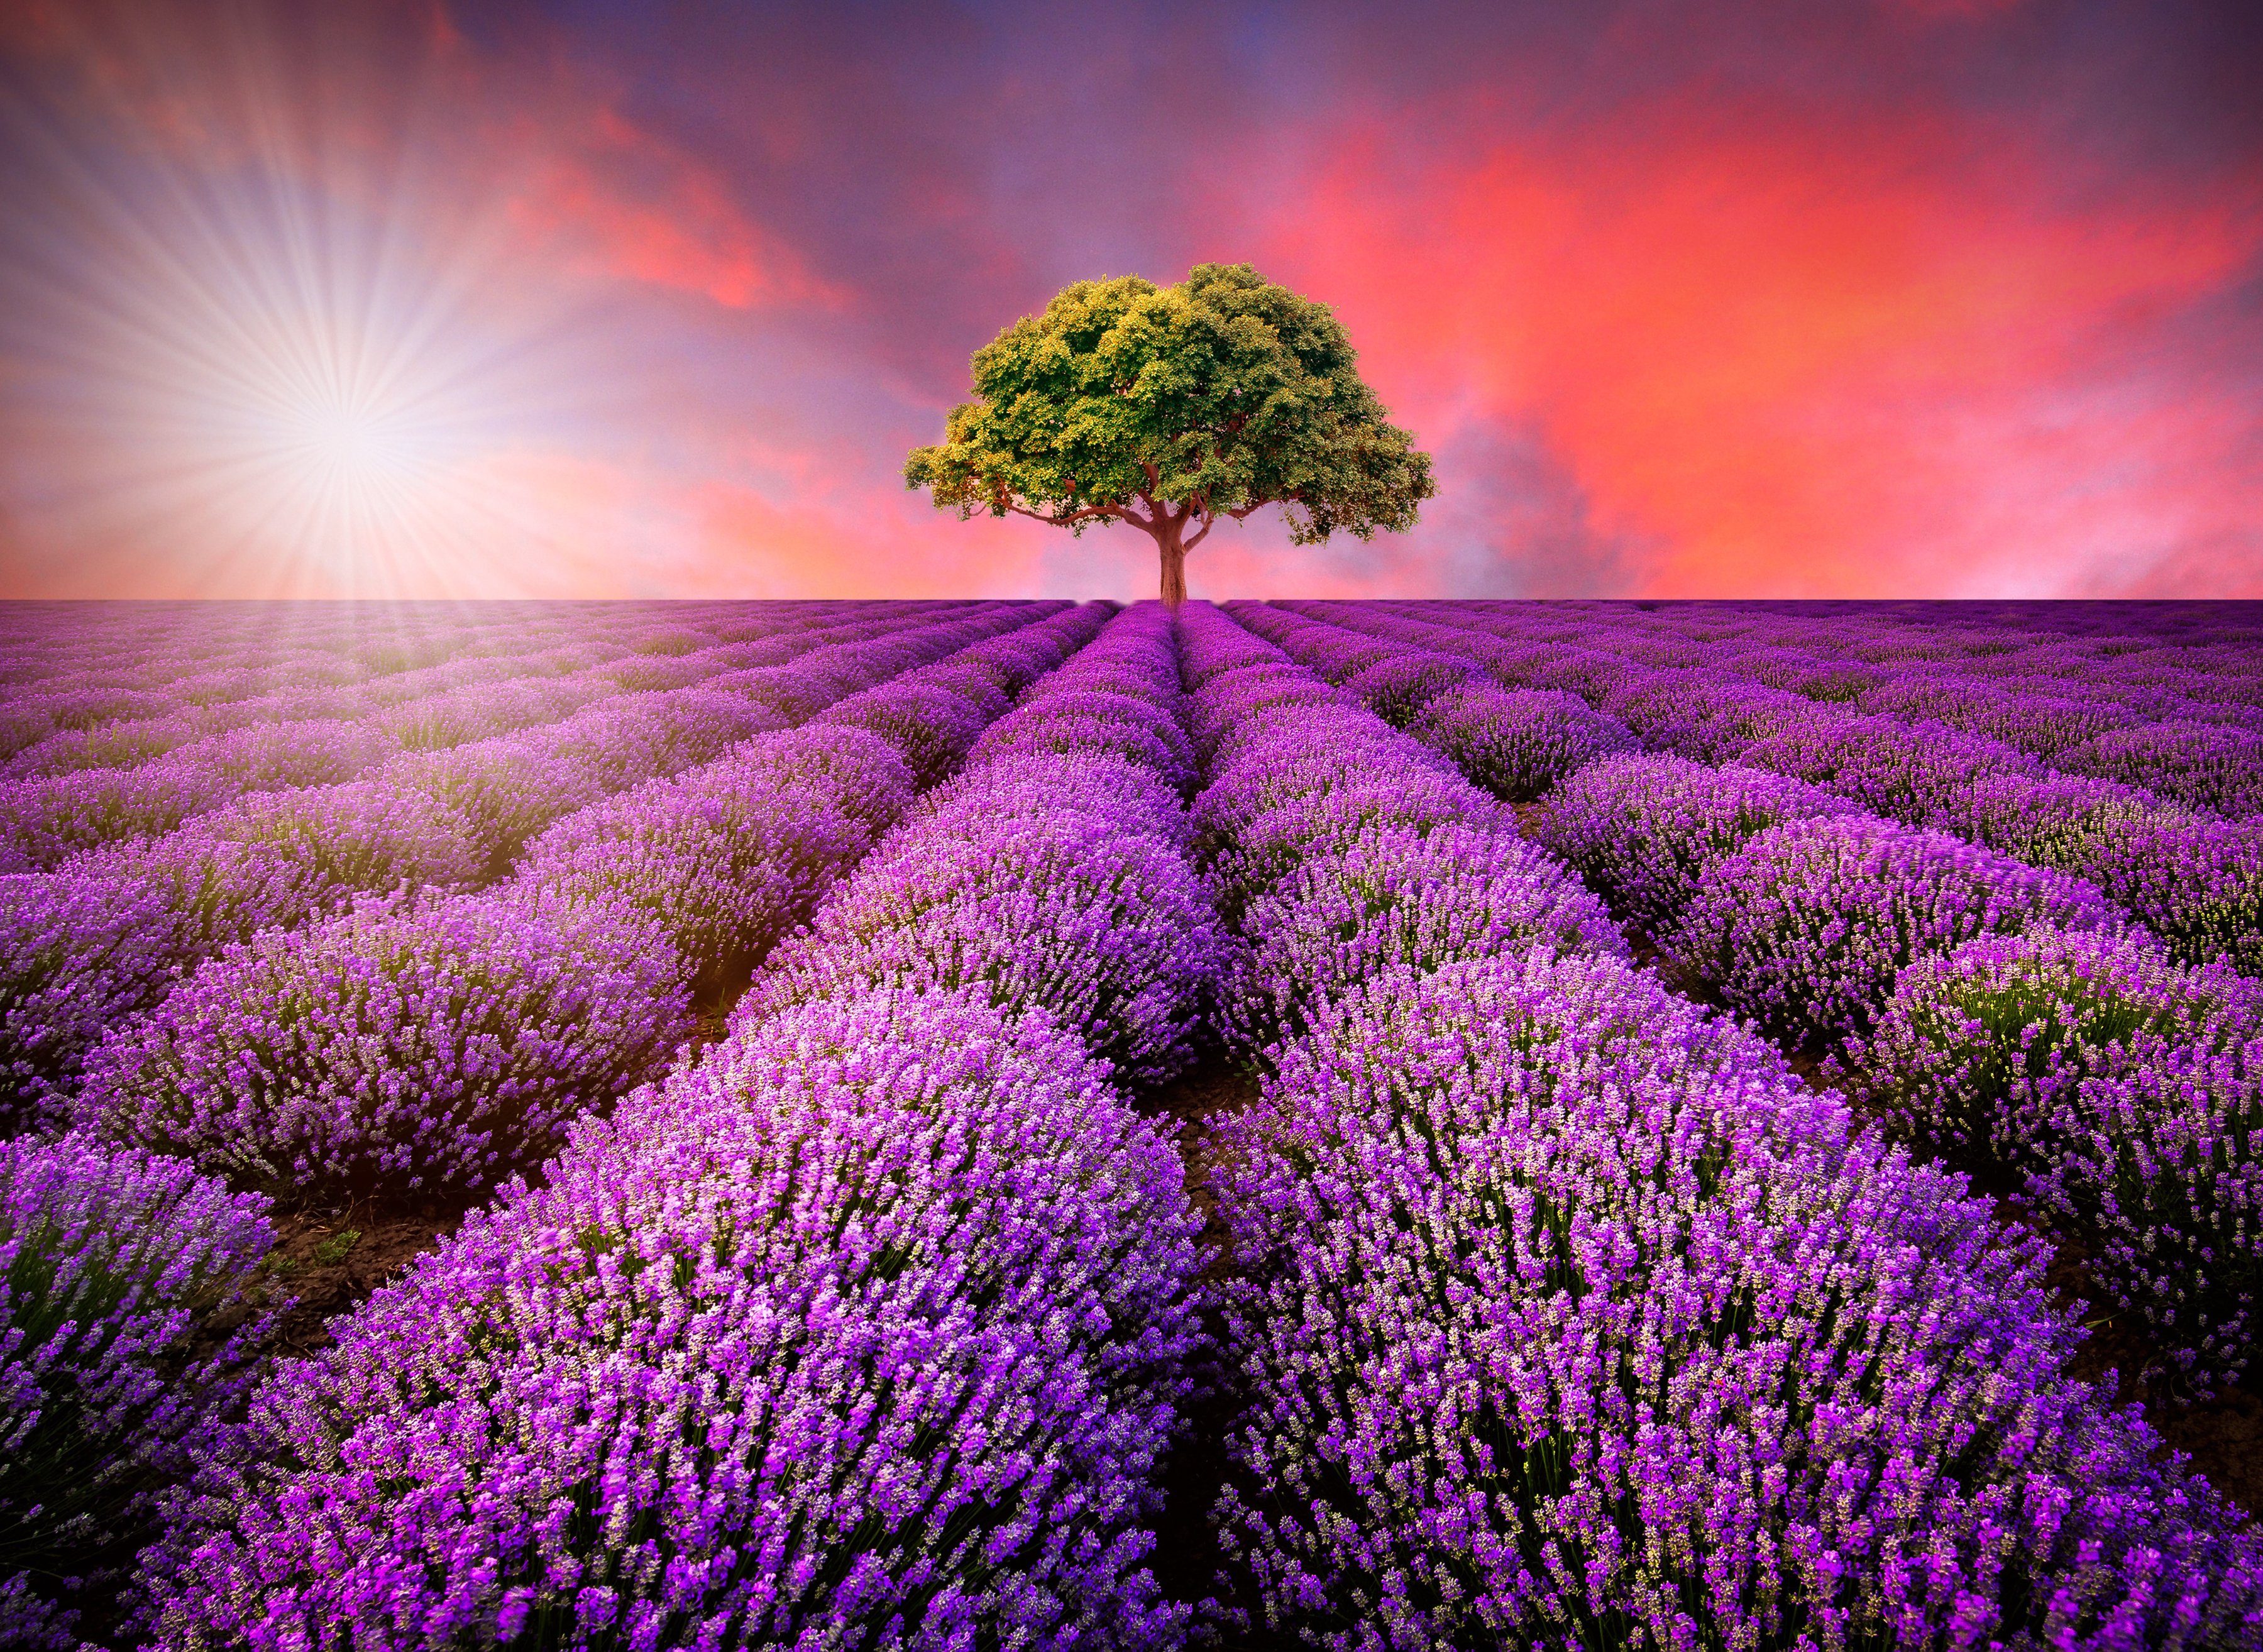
(1904, 300)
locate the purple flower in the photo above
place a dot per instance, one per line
(1399, 688)
(1806, 926)
(120, 1273)
(868, 1330)
(2197, 884)
(721, 862)
(278, 859)
(417, 1053)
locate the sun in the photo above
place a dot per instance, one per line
(307, 365)
(348, 469)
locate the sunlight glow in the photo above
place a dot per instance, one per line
(306, 364)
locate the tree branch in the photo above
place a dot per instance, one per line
(1210, 520)
(1086, 514)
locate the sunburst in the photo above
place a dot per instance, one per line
(301, 357)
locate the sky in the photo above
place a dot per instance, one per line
(1864, 298)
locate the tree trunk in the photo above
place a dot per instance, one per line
(1175, 565)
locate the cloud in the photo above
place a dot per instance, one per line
(1791, 352)
(1916, 298)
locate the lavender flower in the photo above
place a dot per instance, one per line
(1806, 927)
(932, 726)
(1915, 774)
(2197, 884)
(867, 1331)
(1103, 783)
(118, 1272)
(419, 1052)
(278, 859)
(852, 769)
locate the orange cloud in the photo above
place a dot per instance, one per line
(613, 199)
(544, 157)
(1802, 352)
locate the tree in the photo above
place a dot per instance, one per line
(1170, 406)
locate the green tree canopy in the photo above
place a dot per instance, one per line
(1171, 407)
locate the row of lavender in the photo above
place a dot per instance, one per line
(106, 935)
(1991, 1008)
(429, 1047)
(2166, 712)
(2194, 878)
(91, 689)
(1567, 1316)
(137, 777)
(430, 1043)
(76, 666)
(868, 1327)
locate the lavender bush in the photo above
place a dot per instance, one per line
(721, 864)
(1398, 689)
(854, 770)
(2207, 765)
(1095, 721)
(1105, 926)
(1640, 830)
(2197, 884)
(2125, 1092)
(868, 1331)
(45, 821)
(77, 956)
(119, 1270)
(279, 858)
(931, 726)
(417, 1052)
(1103, 783)
(1913, 774)
(1566, 1317)
(1518, 744)
(1806, 927)
(1397, 899)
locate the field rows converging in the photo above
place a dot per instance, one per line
(112, 932)
(2192, 875)
(769, 1020)
(1906, 961)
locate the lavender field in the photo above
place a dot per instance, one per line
(1035, 1125)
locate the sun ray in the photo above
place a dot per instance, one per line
(296, 356)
